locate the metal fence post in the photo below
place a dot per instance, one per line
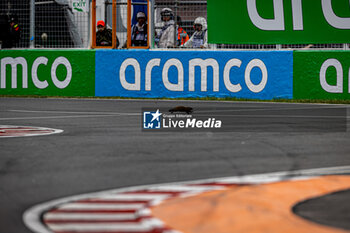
(175, 24)
(151, 23)
(32, 24)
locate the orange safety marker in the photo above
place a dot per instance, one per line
(250, 208)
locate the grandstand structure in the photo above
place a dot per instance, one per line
(57, 24)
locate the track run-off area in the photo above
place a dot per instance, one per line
(101, 173)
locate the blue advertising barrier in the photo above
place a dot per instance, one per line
(261, 75)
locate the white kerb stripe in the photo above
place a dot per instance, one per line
(144, 212)
(88, 206)
(89, 216)
(185, 188)
(134, 197)
(145, 225)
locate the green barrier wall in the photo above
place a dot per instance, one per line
(47, 72)
(278, 21)
(321, 75)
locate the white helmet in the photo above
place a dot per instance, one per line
(140, 15)
(201, 21)
(167, 12)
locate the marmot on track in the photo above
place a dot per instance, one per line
(188, 110)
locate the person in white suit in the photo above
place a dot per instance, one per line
(199, 39)
(166, 36)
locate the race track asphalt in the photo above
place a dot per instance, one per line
(103, 147)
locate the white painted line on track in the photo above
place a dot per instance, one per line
(53, 210)
(107, 114)
(114, 115)
(253, 109)
(194, 101)
(57, 117)
(283, 116)
(178, 100)
(68, 112)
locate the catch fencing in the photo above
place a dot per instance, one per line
(48, 23)
(56, 24)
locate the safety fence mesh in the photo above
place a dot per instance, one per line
(21, 10)
(57, 25)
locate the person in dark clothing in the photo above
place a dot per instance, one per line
(15, 30)
(11, 32)
(139, 31)
(104, 35)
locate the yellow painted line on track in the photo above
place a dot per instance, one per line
(250, 208)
